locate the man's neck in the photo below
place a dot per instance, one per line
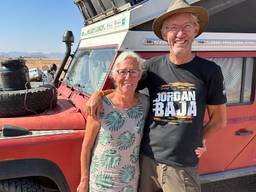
(181, 59)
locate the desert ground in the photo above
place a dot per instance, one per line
(42, 63)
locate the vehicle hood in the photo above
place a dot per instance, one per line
(65, 116)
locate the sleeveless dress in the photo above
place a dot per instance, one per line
(115, 158)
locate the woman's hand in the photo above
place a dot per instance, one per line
(200, 150)
(82, 187)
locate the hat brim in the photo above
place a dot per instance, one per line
(200, 12)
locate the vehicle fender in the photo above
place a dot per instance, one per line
(10, 169)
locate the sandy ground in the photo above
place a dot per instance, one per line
(42, 63)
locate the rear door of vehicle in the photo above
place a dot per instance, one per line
(234, 146)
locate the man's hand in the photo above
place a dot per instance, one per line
(200, 150)
(94, 103)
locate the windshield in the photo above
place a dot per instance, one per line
(89, 69)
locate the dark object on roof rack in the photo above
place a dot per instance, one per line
(86, 8)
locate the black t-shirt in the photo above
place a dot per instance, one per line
(178, 98)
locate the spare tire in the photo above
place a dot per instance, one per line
(30, 101)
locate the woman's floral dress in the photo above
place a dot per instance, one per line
(115, 157)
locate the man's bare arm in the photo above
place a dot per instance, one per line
(217, 119)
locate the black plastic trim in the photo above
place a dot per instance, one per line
(229, 174)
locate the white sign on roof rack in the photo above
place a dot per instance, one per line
(113, 24)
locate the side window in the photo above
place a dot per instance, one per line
(238, 76)
(248, 79)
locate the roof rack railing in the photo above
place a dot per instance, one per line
(95, 10)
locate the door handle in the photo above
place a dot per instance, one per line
(243, 132)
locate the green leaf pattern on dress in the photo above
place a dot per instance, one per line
(125, 140)
(126, 174)
(110, 158)
(135, 112)
(94, 164)
(127, 189)
(105, 137)
(114, 121)
(106, 100)
(101, 113)
(134, 157)
(104, 181)
(140, 126)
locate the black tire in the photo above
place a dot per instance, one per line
(20, 185)
(30, 101)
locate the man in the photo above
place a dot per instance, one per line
(181, 86)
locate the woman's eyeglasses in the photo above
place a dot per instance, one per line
(124, 72)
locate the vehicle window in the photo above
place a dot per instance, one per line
(89, 69)
(238, 76)
(248, 79)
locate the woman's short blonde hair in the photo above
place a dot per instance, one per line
(126, 54)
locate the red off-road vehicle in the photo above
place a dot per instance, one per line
(42, 127)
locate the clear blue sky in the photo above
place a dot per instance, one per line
(37, 25)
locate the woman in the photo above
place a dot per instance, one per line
(110, 150)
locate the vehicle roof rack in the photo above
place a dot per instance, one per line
(96, 10)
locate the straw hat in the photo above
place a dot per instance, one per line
(179, 6)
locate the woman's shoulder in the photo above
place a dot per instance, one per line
(106, 107)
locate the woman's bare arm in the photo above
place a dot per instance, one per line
(91, 131)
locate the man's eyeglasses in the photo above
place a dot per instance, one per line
(176, 28)
(124, 72)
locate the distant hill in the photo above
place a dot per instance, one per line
(32, 55)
